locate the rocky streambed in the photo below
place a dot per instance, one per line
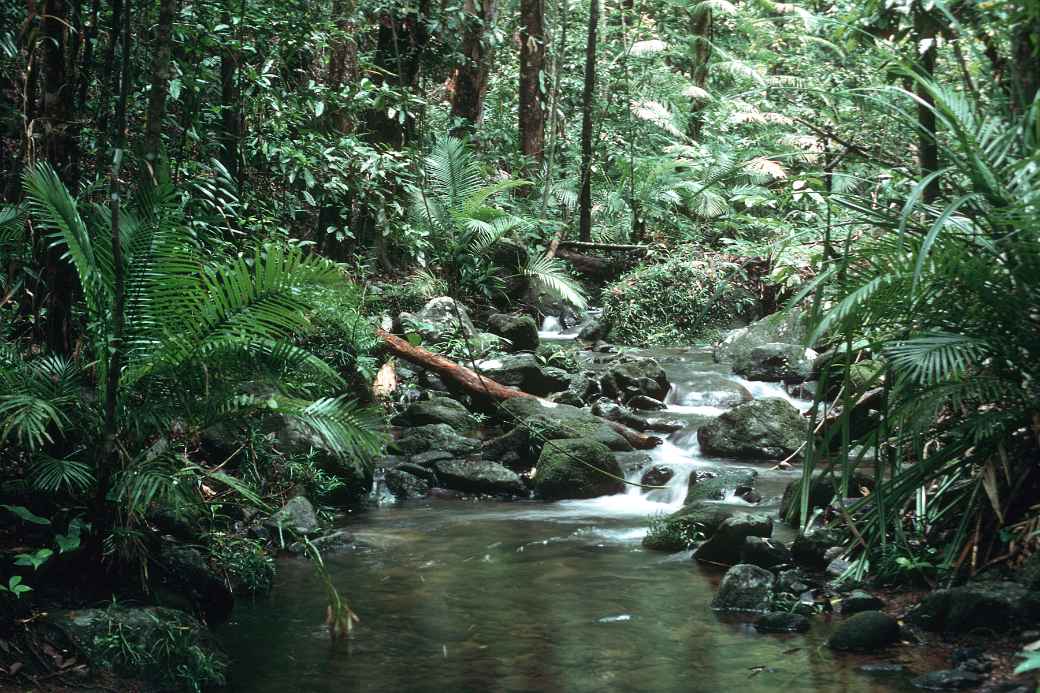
(582, 564)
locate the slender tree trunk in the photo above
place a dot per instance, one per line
(230, 117)
(700, 40)
(927, 148)
(343, 62)
(587, 99)
(560, 55)
(54, 114)
(470, 78)
(1025, 49)
(532, 60)
(108, 76)
(161, 70)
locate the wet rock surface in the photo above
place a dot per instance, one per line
(745, 588)
(769, 428)
(868, 631)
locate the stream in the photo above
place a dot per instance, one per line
(532, 596)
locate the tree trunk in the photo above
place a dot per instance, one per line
(482, 387)
(1025, 51)
(927, 147)
(470, 78)
(230, 117)
(700, 40)
(532, 60)
(161, 65)
(108, 75)
(587, 98)
(343, 61)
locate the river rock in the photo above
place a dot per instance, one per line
(524, 372)
(983, 606)
(859, 601)
(948, 680)
(568, 469)
(782, 622)
(867, 631)
(777, 362)
(439, 410)
(718, 486)
(769, 428)
(182, 578)
(822, 490)
(404, 485)
(726, 544)
(479, 476)
(644, 403)
(686, 526)
(765, 553)
(788, 327)
(296, 516)
(657, 475)
(811, 550)
(438, 320)
(436, 437)
(550, 421)
(155, 642)
(520, 330)
(354, 475)
(744, 588)
(633, 462)
(639, 376)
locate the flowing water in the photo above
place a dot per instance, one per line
(532, 596)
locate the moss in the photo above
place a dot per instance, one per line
(687, 298)
(577, 469)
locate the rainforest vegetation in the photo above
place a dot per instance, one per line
(269, 267)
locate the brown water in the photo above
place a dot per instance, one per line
(529, 596)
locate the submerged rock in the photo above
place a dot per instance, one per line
(769, 428)
(745, 588)
(726, 544)
(478, 476)
(439, 410)
(866, 631)
(576, 469)
(520, 330)
(777, 362)
(782, 622)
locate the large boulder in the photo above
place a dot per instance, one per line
(433, 437)
(786, 327)
(981, 606)
(520, 330)
(478, 476)
(405, 484)
(686, 526)
(726, 544)
(576, 468)
(162, 646)
(765, 553)
(745, 588)
(441, 318)
(439, 410)
(769, 428)
(777, 362)
(639, 376)
(550, 421)
(867, 631)
(355, 475)
(719, 484)
(524, 372)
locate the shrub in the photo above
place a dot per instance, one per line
(681, 300)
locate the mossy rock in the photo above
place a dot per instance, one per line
(686, 526)
(983, 607)
(686, 298)
(769, 428)
(867, 631)
(788, 327)
(520, 330)
(552, 421)
(576, 469)
(439, 410)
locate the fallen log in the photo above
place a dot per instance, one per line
(481, 386)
